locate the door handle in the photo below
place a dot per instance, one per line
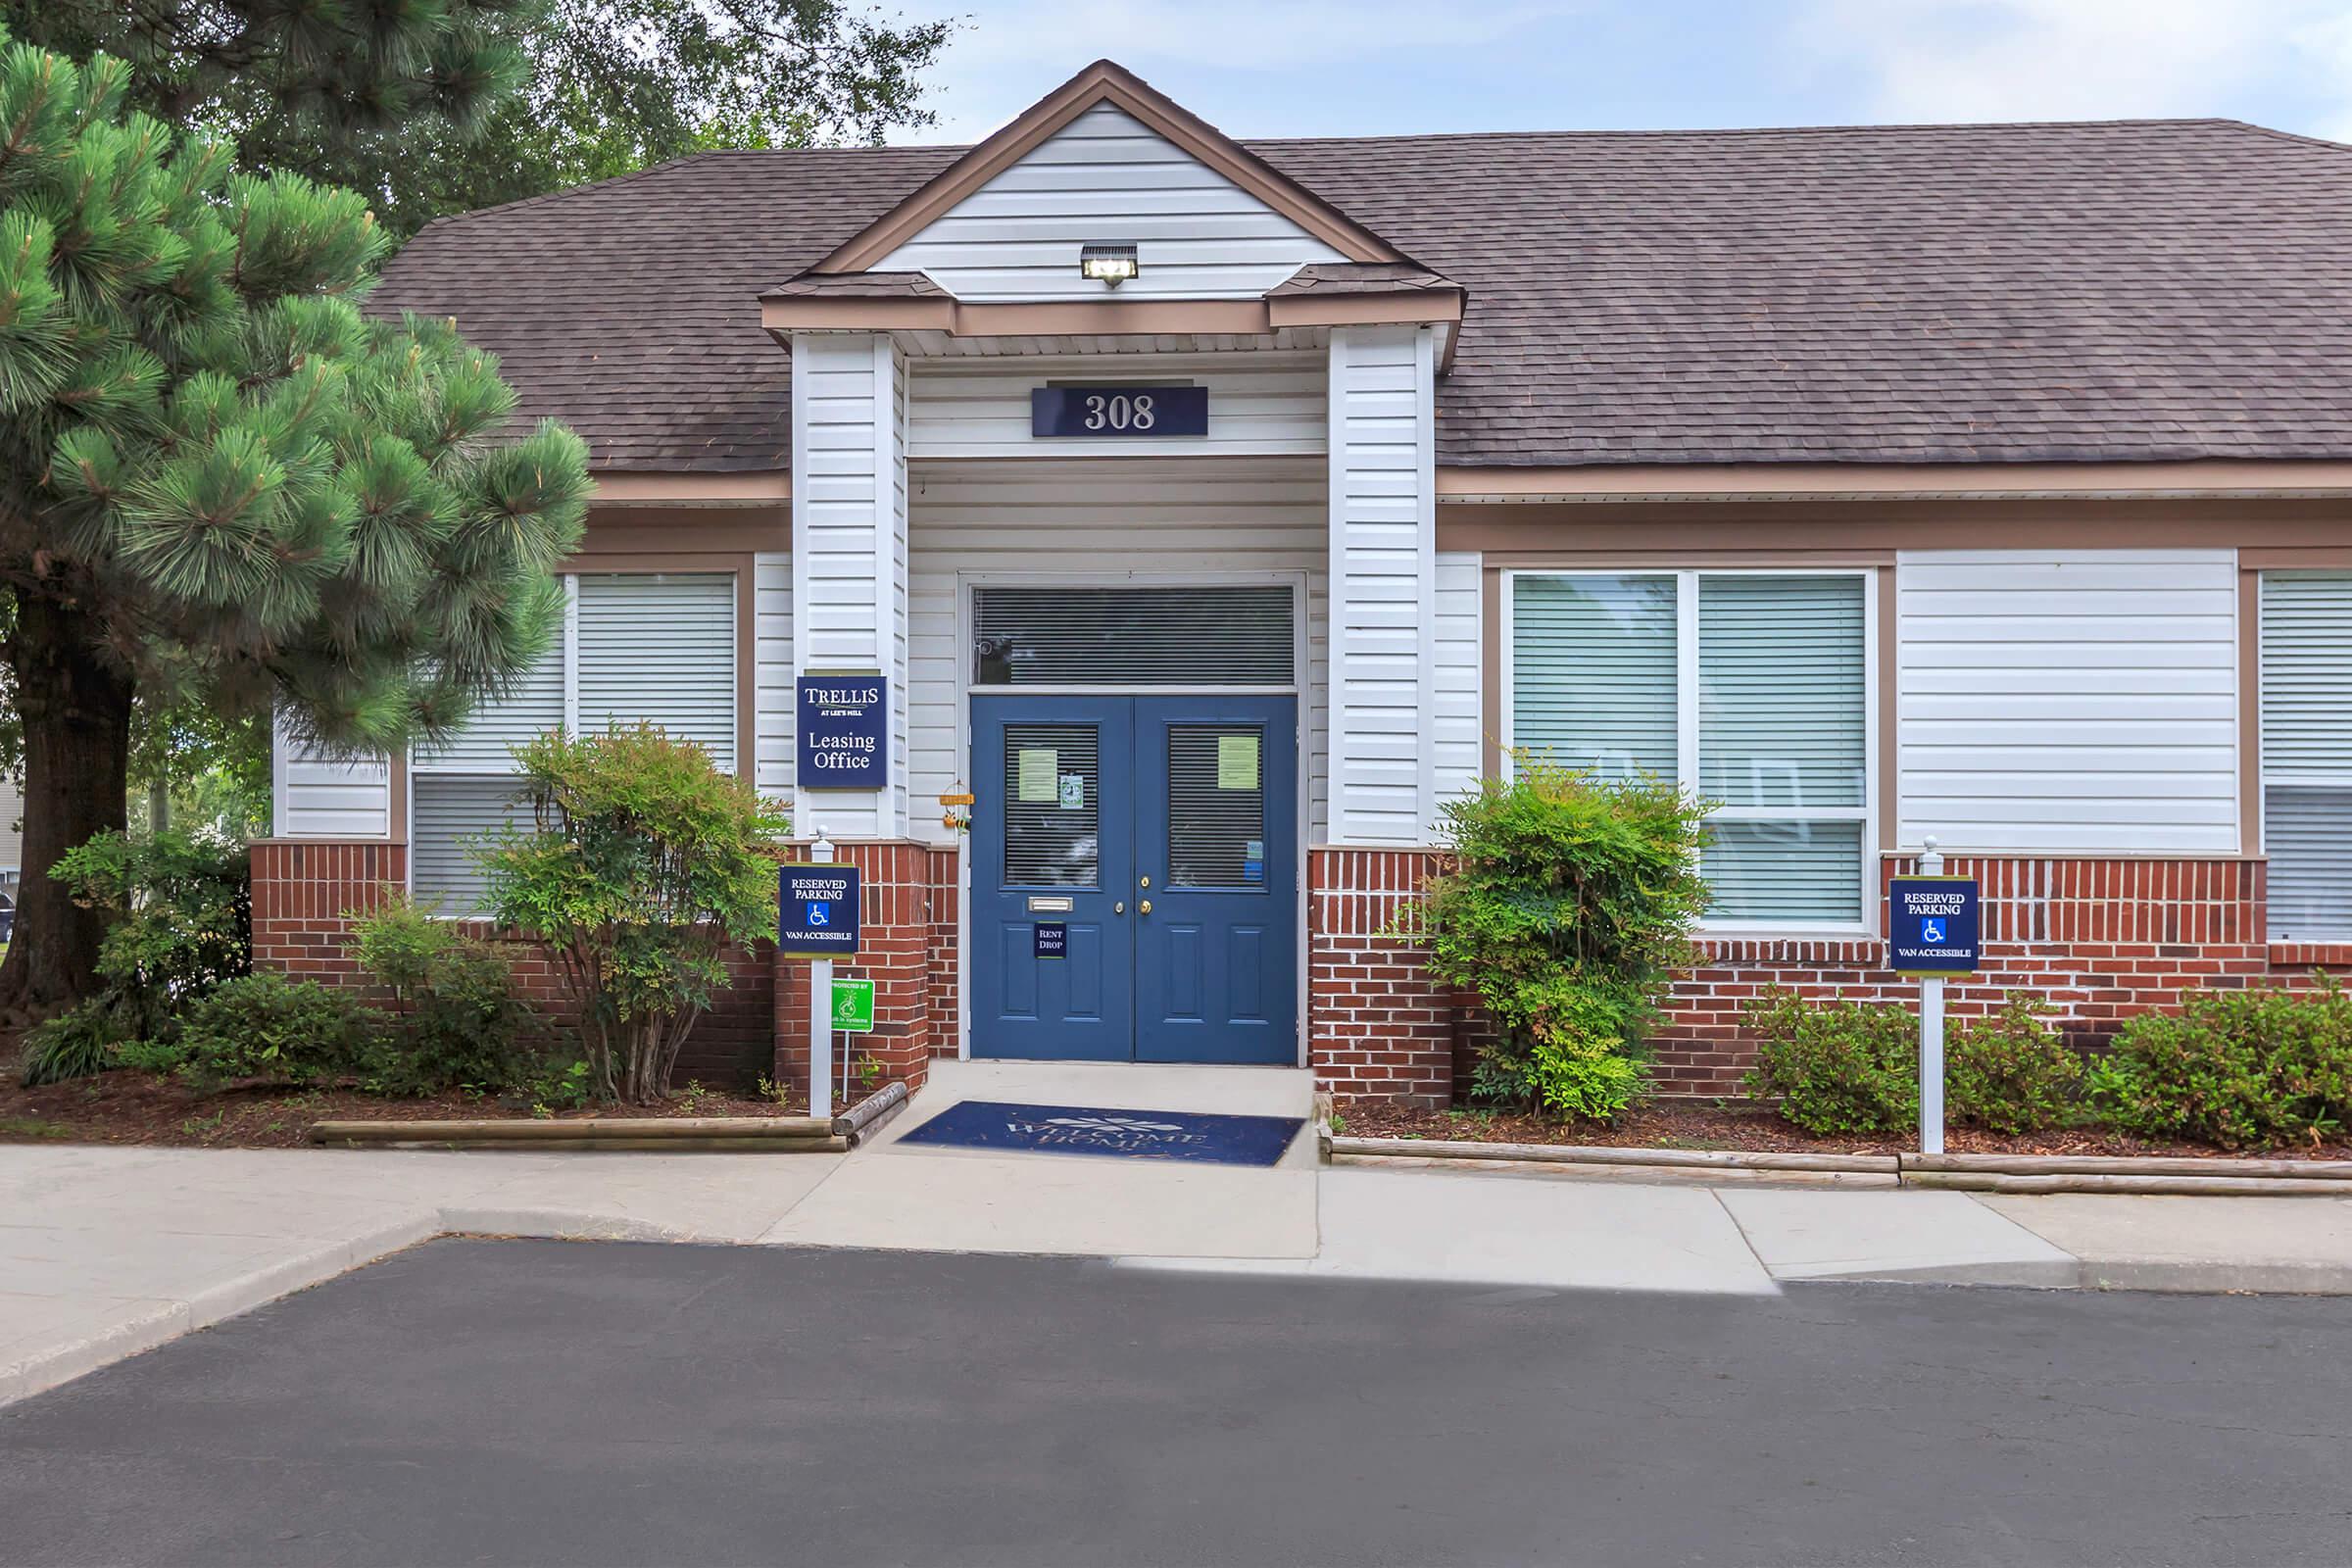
(1144, 907)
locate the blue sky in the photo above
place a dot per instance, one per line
(1366, 67)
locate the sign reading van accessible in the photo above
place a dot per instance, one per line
(817, 912)
(843, 721)
(1931, 924)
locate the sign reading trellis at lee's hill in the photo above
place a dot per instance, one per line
(1931, 924)
(844, 722)
(817, 912)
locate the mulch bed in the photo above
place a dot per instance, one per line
(129, 1108)
(1715, 1124)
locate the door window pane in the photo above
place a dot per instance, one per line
(1052, 807)
(1592, 672)
(1216, 806)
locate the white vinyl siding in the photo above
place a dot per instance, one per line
(2307, 753)
(1458, 736)
(2067, 702)
(1107, 176)
(1070, 521)
(1751, 690)
(1383, 545)
(660, 650)
(1259, 404)
(850, 543)
(647, 647)
(771, 674)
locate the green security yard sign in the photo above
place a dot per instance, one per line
(853, 1005)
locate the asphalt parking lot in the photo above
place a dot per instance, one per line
(487, 1401)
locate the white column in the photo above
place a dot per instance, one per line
(848, 548)
(1384, 544)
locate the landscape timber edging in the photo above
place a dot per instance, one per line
(1984, 1173)
(781, 1135)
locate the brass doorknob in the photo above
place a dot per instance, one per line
(1145, 907)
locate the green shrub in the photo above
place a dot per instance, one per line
(457, 1022)
(179, 921)
(1567, 904)
(2244, 1069)
(79, 1044)
(266, 1028)
(1835, 1067)
(2011, 1072)
(644, 868)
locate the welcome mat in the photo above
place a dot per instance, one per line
(1092, 1130)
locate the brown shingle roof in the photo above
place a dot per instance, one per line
(2125, 291)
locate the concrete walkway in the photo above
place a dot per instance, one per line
(106, 1252)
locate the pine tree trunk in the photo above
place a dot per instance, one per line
(76, 717)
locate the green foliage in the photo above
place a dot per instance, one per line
(2244, 1069)
(457, 1022)
(466, 103)
(179, 913)
(645, 867)
(1567, 907)
(2011, 1072)
(1835, 1067)
(222, 486)
(79, 1044)
(266, 1028)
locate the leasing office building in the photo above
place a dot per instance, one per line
(1213, 511)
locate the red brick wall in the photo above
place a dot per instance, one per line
(1375, 1029)
(904, 887)
(2098, 939)
(302, 890)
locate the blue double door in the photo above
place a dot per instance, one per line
(1135, 878)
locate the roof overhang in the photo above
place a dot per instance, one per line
(1106, 83)
(785, 313)
(758, 487)
(1828, 481)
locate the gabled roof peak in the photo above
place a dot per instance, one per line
(1106, 82)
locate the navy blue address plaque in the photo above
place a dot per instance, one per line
(1118, 412)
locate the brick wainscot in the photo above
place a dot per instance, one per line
(2098, 939)
(304, 891)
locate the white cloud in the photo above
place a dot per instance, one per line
(1017, 52)
(1964, 60)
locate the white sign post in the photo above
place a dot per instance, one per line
(1930, 1037)
(820, 1016)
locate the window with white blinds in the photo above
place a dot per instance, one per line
(1750, 689)
(2307, 753)
(641, 647)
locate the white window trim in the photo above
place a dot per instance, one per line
(2261, 766)
(1686, 684)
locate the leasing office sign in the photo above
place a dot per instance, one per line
(843, 727)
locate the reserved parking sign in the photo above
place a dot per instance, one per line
(1931, 924)
(817, 912)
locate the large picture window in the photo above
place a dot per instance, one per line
(657, 648)
(1751, 689)
(2307, 753)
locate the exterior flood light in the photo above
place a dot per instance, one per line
(1109, 263)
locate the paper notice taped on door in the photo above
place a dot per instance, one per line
(1236, 762)
(1037, 773)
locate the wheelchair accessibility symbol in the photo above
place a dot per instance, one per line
(818, 914)
(1930, 931)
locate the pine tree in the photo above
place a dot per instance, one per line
(220, 483)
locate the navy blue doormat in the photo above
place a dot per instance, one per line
(1092, 1130)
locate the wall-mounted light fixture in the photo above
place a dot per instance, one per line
(1111, 264)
